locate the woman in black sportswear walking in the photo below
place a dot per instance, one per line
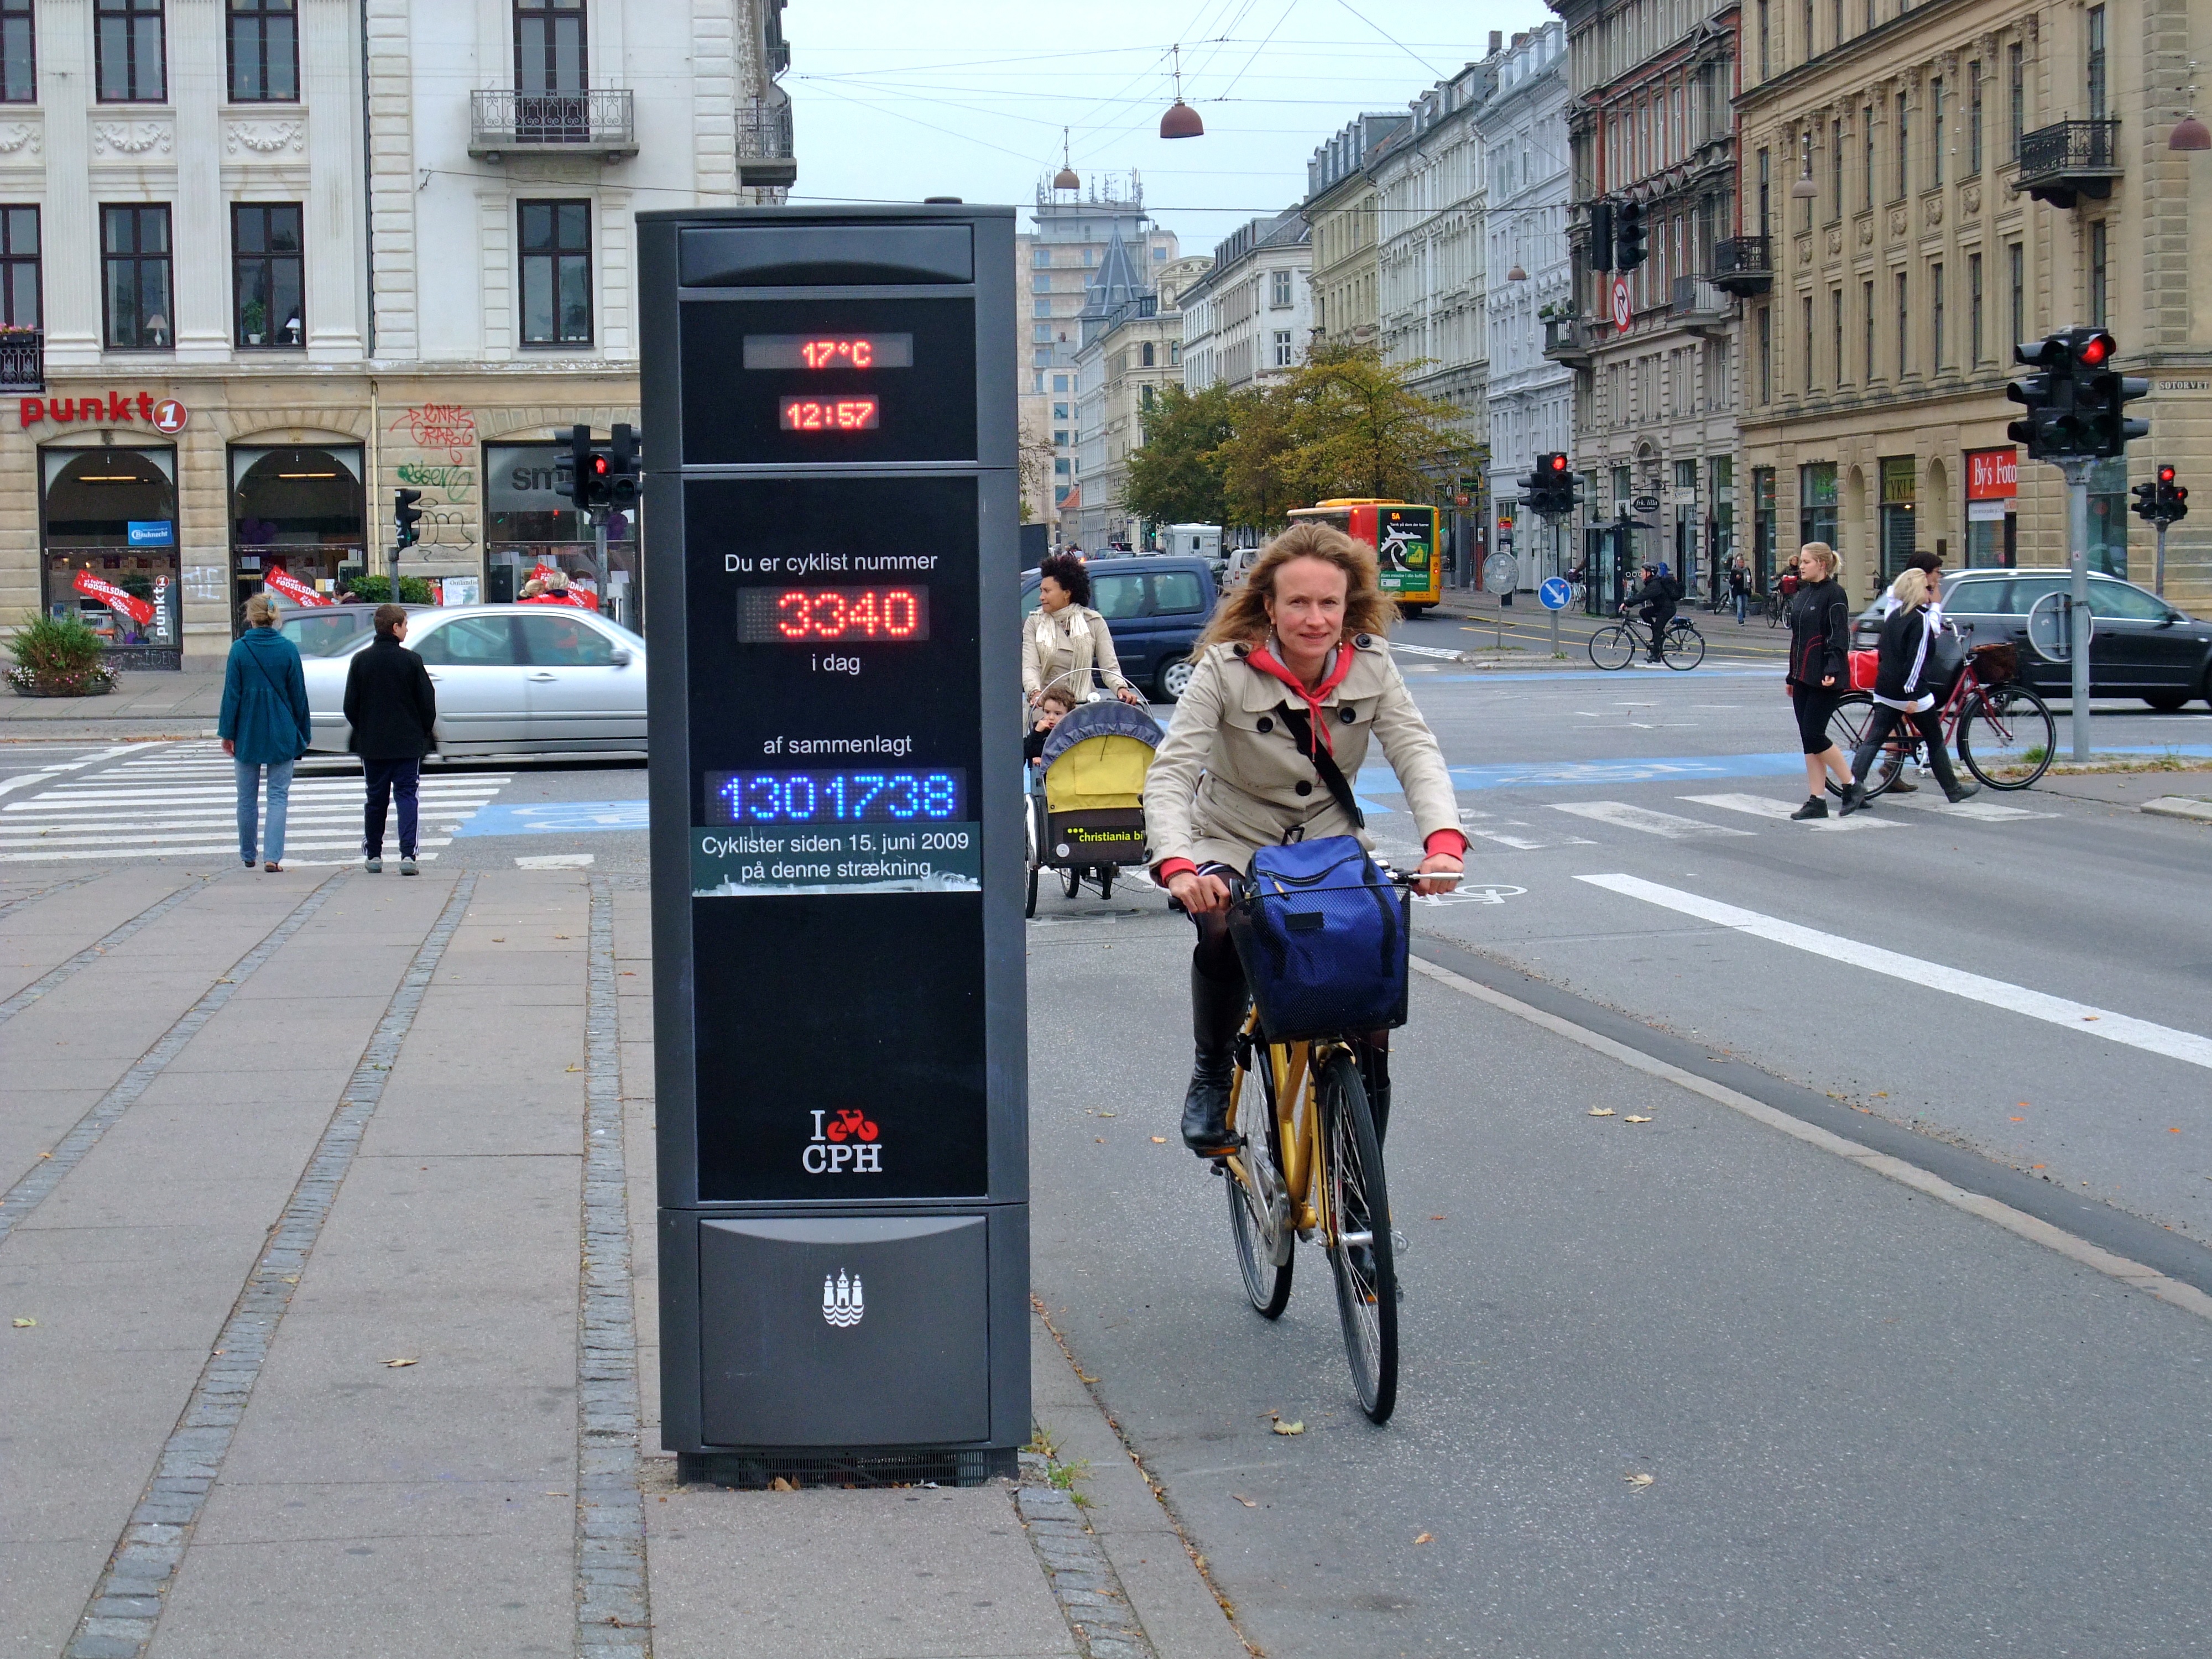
(1902, 689)
(1819, 674)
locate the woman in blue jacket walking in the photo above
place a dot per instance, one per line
(264, 724)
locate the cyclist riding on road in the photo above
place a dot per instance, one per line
(1656, 601)
(1292, 674)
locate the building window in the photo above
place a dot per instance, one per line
(19, 267)
(127, 50)
(1904, 325)
(1836, 165)
(1809, 343)
(1974, 118)
(1145, 396)
(1836, 328)
(1043, 307)
(1898, 537)
(19, 52)
(1935, 317)
(1765, 192)
(1058, 411)
(266, 284)
(1904, 148)
(1935, 131)
(548, 45)
(264, 53)
(1816, 503)
(1282, 348)
(1762, 527)
(1144, 355)
(2017, 256)
(2099, 317)
(1866, 126)
(1765, 44)
(1808, 42)
(1042, 256)
(1060, 383)
(1174, 354)
(1059, 437)
(1866, 296)
(1040, 333)
(2096, 63)
(1765, 353)
(2016, 78)
(1282, 289)
(556, 273)
(135, 260)
(1040, 284)
(1974, 310)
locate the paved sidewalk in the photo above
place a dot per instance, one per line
(327, 1264)
(193, 695)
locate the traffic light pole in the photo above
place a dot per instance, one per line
(599, 560)
(2077, 536)
(2158, 584)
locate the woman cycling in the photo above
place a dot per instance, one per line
(1065, 640)
(1297, 648)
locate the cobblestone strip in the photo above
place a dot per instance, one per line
(1092, 1598)
(99, 948)
(47, 892)
(120, 1619)
(27, 1195)
(614, 1617)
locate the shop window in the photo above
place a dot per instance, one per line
(1900, 531)
(20, 296)
(2108, 516)
(264, 41)
(556, 273)
(129, 47)
(532, 528)
(1816, 503)
(1762, 527)
(299, 510)
(19, 53)
(134, 241)
(107, 524)
(266, 281)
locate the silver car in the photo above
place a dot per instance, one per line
(511, 679)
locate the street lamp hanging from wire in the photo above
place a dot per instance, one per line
(1180, 120)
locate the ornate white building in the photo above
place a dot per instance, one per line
(1249, 321)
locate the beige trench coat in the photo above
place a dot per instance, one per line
(1231, 779)
(1066, 644)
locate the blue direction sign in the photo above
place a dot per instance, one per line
(1555, 593)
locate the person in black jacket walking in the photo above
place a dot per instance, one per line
(1901, 690)
(391, 706)
(1819, 674)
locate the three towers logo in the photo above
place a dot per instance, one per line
(841, 1301)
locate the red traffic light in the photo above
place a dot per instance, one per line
(2166, 475)
(2095, 351)
(600, 465)
(2180, 493)
(1559, 463)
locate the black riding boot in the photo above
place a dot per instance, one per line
(1216, 1013)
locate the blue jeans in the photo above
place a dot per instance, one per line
(1741, 599)
(387, 779)
(280, 798)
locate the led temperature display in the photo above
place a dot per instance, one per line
(869, 795)
(827, 414)
(828, 351)
(808, 615)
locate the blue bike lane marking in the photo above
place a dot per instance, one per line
(555, 817)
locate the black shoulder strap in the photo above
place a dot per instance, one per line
(1300, 726)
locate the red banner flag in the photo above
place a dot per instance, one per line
(294, 589)
(115, 598)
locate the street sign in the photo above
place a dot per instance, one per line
(1623, 311)
(2050, 627)
(1555, 593)
(836, 850)
(1500, 572)
(1645, 504)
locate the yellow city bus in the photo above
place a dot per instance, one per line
(1404, 536)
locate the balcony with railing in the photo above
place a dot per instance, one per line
(1701, 306)
(2069, 159)
(764, 144)
(22, 360)
(601, 122)
(1569, 340)
(1743, 264)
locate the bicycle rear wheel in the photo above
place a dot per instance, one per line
(1259, 1209)
(1681, 646)
(2007, 737)
(1361, 1254)
(1612, 647)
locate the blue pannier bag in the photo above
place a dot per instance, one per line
(1323, 936)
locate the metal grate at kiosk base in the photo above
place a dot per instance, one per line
(752, 1471)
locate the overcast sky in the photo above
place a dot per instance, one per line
(896, 100)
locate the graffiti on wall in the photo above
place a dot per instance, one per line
(443, 469)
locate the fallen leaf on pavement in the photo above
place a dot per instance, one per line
(576, 1068)
(1248, 1502)
(1159, 1140)
(1632, 1118)
(393, 1364)
(1101, 1139)
(1426, 1538)
(1298, 1427)
(502, 939)
(1436, 1218)
(1639, 1481)
(1601, 1111)
(781, 1485)
(557, 1494)
(1109, 1114)
(24, 1324)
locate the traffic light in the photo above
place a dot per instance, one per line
(587, 471)
(2147, 500)
(1601, 236)
(2172, 498)
(404, 515)
(1628, 250)
(2051, 430)
(622, 475)
(1552, 486)
(2102, 394)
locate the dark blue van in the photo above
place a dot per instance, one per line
(1156, 607)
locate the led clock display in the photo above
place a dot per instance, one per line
(851, 616)
(827, 414)
(872, 795)
(829, 350)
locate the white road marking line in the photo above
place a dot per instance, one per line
(74, 796)
(1620, 814)
(1766, 806)
(107, 813)
(47, 772)
(1530, 844)
(2185, 1046)
(1983, 812)
(2033, 1229)
(555, 861)
(227, 848)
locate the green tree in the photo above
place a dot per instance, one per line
(1177, 477)
(1260, 491)
(1353, 426)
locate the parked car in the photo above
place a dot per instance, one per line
(323, 630)
(2141, 647)
(1157, 607)
(511, 679)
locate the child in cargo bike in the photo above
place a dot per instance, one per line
(1292, 675)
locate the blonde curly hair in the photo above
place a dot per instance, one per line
(1242, 618)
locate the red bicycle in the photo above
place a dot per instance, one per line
(2003, 731)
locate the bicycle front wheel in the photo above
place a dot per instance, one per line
(1612, 647)
(1681, 646)
(1360, 1252)
(2007, 737)
(1259, 1207)
(1847, 728)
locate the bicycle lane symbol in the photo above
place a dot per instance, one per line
(1479, 892)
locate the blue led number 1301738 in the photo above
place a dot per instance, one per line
(837, 797)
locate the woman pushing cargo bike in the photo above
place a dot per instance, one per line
(1299, 972)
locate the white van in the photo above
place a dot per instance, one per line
(1191, 541)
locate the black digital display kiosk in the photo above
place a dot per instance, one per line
(831, 591)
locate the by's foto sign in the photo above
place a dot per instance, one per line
(1992, 474)
(164, 415)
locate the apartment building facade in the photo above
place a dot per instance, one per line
(1132, 347)
(1935, 185)
(1654, 351)
(1247, 320)
(268, 262)
(1344, 210)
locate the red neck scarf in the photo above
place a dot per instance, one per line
(1265, 662)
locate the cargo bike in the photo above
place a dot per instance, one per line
(1086, 805)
